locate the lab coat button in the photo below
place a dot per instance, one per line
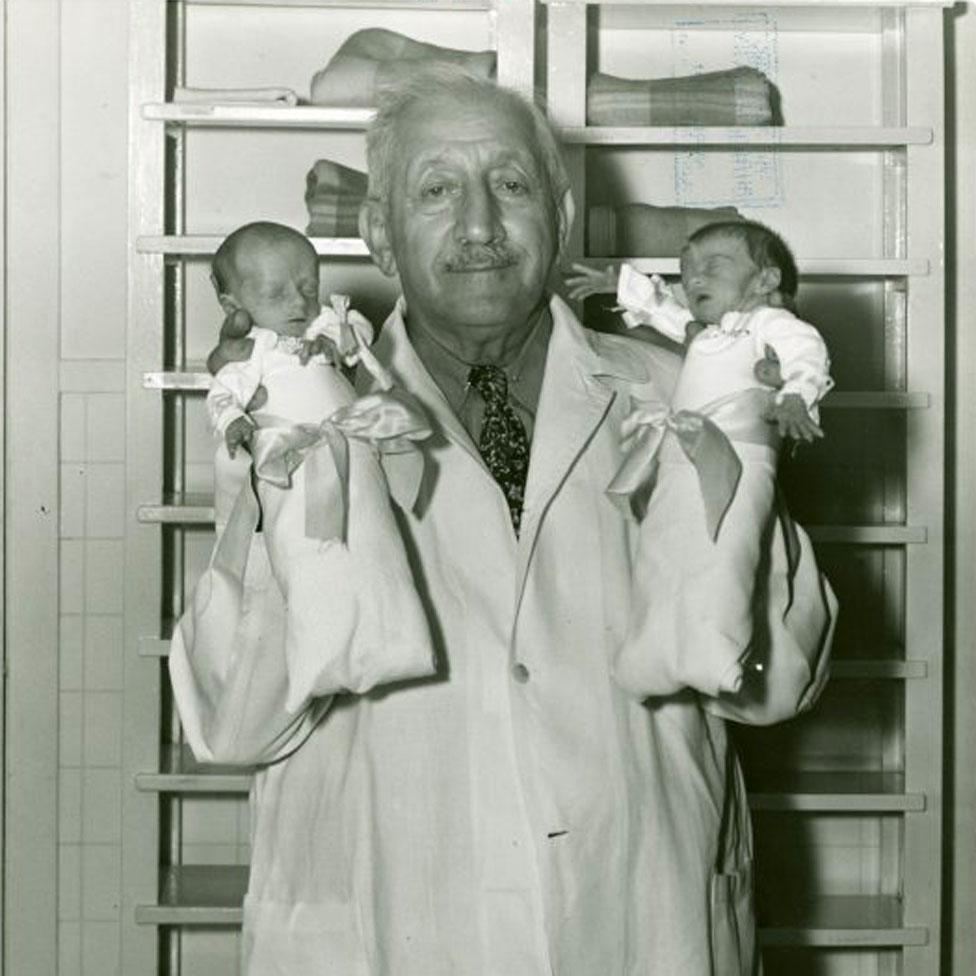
(520, 673)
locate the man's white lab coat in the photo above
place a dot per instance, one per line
(516, 814)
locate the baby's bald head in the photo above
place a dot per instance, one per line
(271, 271)
(248, 243)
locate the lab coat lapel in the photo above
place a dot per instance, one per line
(575, 399)
(394, 350)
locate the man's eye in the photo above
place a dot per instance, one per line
(434, 191)
(514, 187)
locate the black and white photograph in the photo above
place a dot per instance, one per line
(488, 488)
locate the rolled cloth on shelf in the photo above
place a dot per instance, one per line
(246, 96)
(373, 60)
(739, 96)
(333, 193)
(642, 230)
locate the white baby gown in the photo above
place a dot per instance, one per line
(353, 616)
(698, 609)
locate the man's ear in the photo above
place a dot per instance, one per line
(565, 213)
(375, 231)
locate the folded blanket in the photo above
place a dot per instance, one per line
(327, 177)
(245, 96)
(374, 60)
(739, 96)
(641, 230)
(345, 223)
(333, 193)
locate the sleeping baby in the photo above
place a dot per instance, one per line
(353, 619)
(708, 460)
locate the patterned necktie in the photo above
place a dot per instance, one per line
(503, 443)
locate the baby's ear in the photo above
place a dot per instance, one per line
(227, 302)
(768, 281)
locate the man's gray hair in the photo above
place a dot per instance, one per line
(451, 83)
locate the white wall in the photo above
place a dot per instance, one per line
(67, 198)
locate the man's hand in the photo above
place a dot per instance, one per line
(238, 434)
(692, 329)
(793, 419)
(588, 281)
(234, 346)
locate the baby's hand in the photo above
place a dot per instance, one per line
(767, 370)
(319, 345)
(588, 281)
(793, 419)
(238, 434)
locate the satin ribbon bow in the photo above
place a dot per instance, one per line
(703, 443)
(392, 421)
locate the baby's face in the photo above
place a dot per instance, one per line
(719, 276)
(278, 285)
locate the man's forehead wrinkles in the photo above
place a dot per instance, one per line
(456, 151)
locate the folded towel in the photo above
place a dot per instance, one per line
(328, 177)
(739, 96)
(245, 96)
(641, 230)
(374, 60)
(339, 223)
(333, 193)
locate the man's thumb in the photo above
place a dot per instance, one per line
(236, 325)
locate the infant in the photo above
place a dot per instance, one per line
(353, 619)
(711, 454)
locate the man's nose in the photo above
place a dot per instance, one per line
(478, 217)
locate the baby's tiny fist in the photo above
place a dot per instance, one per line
(238, 434)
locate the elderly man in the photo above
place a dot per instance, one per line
(516, 814)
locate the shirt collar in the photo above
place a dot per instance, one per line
(524, 370)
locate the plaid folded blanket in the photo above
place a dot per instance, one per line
(739, 96)
(641, 230)
(333, 193)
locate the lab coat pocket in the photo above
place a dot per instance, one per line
(733, 924)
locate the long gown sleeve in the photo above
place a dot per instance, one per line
(802, 353)
(792, 654)
(234, 385)
(232, 689)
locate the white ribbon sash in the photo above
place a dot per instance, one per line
(392, 421)
(705, 436)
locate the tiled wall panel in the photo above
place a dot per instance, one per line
(93, 205)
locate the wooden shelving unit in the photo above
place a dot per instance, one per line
(202, 895)
(759, 137)
(895, 918)
(898, 909)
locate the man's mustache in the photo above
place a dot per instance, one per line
(488, 257)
